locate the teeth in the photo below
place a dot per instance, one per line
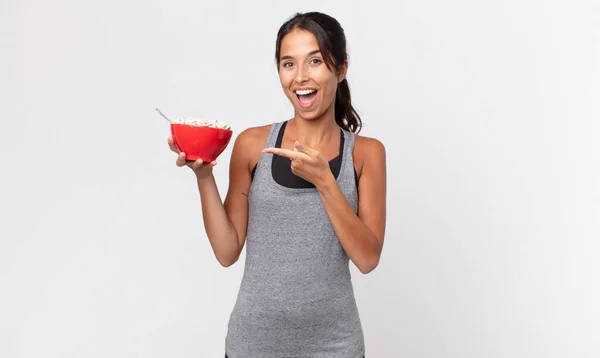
(304, 92)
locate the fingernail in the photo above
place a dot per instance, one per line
(298, 145)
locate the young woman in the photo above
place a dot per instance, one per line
(305, 196)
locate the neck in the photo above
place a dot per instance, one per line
(314, 132)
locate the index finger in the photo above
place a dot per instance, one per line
(283, 152)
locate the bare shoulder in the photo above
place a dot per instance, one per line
(249, 144)
(369, 145)
(254, 134)
(368, 148)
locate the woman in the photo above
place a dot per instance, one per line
(306, 196)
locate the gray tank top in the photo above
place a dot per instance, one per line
(296, 298)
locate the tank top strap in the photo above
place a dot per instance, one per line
(263, 167)
(274, 131)
(347, 150)
(349, 139)
(347, 179)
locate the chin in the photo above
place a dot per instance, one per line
(311, 116)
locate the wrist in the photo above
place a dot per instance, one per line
(326, 183)
(204, 178)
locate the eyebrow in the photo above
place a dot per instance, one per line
(290, 57)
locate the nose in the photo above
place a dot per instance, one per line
(301, 75)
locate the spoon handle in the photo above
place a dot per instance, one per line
(165, 117)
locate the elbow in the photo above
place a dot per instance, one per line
(369, 266)
(227, 255)
(367, 269)
(370, 262)
(226, 262)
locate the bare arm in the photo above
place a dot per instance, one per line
(361, 235)
(220, 227)
(225, 223)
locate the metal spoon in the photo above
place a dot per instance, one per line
(165, 117)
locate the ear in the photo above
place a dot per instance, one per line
(342, 71)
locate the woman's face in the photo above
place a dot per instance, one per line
(304, 76)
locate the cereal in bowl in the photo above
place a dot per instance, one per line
(191, 121)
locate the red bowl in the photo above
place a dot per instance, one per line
(205, 143)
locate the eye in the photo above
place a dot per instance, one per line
(315, 61)
(286, 64)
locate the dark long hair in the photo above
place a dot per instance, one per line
(332, 44)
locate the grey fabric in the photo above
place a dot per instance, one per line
(296, 298)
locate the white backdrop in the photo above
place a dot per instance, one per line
(489, 112)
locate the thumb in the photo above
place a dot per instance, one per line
(298, 146)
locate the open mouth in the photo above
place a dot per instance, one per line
(306, 97)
